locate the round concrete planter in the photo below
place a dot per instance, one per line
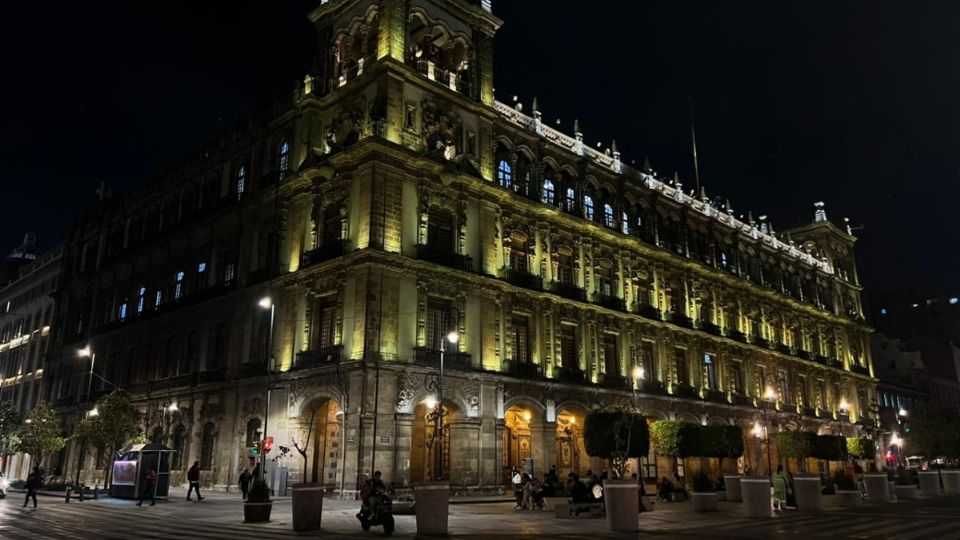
(951, 481)
(877, 488)
(733, 488)
(806, 489)
(432, 507)
(849, 499)
(905, 493)
(721, 495)
(704, 501)
(307, 503)
(756, 497)
(929, 483)
(621, 499)
(257, 512)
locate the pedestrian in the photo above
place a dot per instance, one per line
(32, 485)
(517, 482)
(193, 476)
(552, 476)
(149, 486)
(244, 483)
(779, 489)
(527, 492)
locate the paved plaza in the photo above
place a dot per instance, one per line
(219, 516)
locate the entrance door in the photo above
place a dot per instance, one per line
(516, 441)
(326, 443)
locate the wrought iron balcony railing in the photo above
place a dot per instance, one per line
(323, 356)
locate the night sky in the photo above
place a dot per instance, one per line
(853, 103)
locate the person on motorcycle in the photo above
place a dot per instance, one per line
(377, 488)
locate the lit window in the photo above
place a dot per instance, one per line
(202, 267)
(723, 259)
(883, 311)
(588, 207)
(241, 181)
(141, 299)
(505, 174)
(230, 272)
(178, 289)
(608, 216)
(954, 300)
(123, 311)
(624, 224)
(158, 298)
(548, 192)
(571, 200)
(284, 158)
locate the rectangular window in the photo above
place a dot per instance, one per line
(710, 371)
(802, 392)
(646, 360)
(229, 272)
(737, 371)
(440, 230)
(565, 269)
(332, 224)
(325, 322)
(782, 386)
(568, 346)
(518, 255)
(221, 344)
(680, 366)
(521, 339)
(438, 322)
(611, 354)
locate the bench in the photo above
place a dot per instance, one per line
(571, 510)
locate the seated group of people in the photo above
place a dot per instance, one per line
(666, 488)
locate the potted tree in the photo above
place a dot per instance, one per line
(703, 494)
(666, 439)
(731, 448)
(618, 435)
(798, 445)
(257, 507)
(848, 496)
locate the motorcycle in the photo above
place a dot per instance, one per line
(382, 516)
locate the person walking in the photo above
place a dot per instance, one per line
(517, 482)
(32, 485)
(779, 489)
(193, 476)
(149, 486)
(244, 483)
(527, 492)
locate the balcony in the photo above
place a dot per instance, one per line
(613, 380)
(716, 396)
(571, 375)
(449, 79)
(651, 387)
(736, 335)
(523, 369)
(444, 258)
(685, 391)
(711, 328)
(760, 342)
(782, 348)
(809, 411)
(610, 301)
(422, 356)
(323, 253)
(212, 375)
(680, 319)
(742, 400)
(862, 370)
(522, 279)
(324, 356)
(649, 312)
(569, 291)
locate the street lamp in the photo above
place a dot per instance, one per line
(843, 407)
(267, 303)
(452, 337)
(87, 353)
(770, 394)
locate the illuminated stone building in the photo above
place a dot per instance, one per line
(26, 314)
(394, 200)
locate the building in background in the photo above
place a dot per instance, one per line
(391, 204)
(26, 316)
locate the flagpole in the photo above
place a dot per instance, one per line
(693, 140)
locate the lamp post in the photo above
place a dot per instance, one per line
(452, 337)
(87, 353)
(843, 408)
(267, 303)
(638, 375)
(770, 394)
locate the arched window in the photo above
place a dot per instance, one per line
(505, 174)
(548, 192)
(123, 311)
(588, 207)
(253, 428)
(624, 223)
(284, 158)
(141, 299)
(179, 445)
(608, 218)
(241, 181)
(206, 446)
(571, 200)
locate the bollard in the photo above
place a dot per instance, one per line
(81, 492)
(69, 489)
(96, 492)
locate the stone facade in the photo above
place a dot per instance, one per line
(393, 201)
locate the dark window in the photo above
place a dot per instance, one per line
(521, 339)
(646, 360)
(440, 230)
(179, 446)
(253, 431)
(565, 269)
(568, 346)
(438, 322)
(737, 371)
(206, 446)
(680, 364)
(191, 360)
(325, 322)
(611, 356)
(518, 255)
(332, 229)
(802, 392)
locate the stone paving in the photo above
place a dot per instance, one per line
(219, 516)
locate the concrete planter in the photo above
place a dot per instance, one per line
(721, 495)
(257, 512)
(550, 503)
(733, 488)
(929, 483)
(891, 488)
(704, 501)
(432, 507)
(307, 503)
(877, 488)
(756, 497)
(621, 499)
(951, 481)
(849, 499)
(806, 489)
(905, 493)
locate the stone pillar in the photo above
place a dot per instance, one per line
(549, 447)
(464, 464)
(403, 442)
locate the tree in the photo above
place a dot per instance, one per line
(732, 446)
(616, 435)
(302, 450)
(40, 433)
(83, 436)
(10, 420)
(116, 422)
(830, 448)
(675, 438)
(796, 445)
(861, 448)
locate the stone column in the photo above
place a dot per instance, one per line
(403, 443)
(464, 464)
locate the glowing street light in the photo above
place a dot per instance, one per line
(265, 302)
(93, 412)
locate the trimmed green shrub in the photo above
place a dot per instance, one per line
(702, 483)
(796, 445)
(830, 448)
(861, 448)
(666, 437)
(605, 434)
(689, 442)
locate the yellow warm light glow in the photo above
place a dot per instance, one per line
(453, 337)
(757, 430)
(526, 416)
(637, 373)
(431, 402)
(844, 405)
(770, 393)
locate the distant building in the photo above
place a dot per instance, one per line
(26, 316)
(907, 315)
(391, 203)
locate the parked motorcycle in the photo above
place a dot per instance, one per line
(382, 516)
